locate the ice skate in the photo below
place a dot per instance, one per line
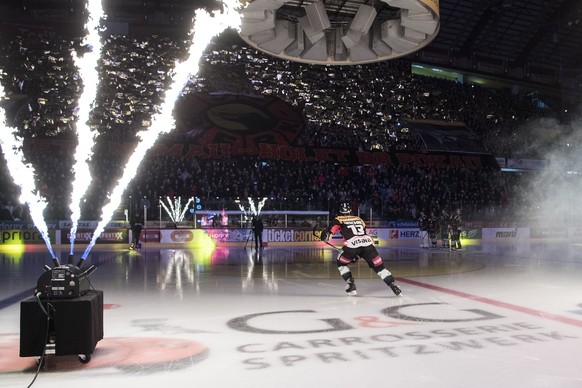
(351, 287)
(395, 289)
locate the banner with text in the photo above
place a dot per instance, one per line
(269, 151)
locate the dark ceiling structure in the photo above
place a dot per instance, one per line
(542, 33)
(513, 38)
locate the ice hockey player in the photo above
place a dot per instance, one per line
(445, 225)
(136, 228)
(432, 229)
(423, 225)
(456, 228)
(356, 244)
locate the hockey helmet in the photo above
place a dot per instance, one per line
(345, 208)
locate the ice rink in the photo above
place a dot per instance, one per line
(493, 315)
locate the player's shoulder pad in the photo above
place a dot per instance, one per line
(349, 218)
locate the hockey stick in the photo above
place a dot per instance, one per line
(331, 245)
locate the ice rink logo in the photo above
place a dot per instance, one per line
(131, 355)
(408, 330)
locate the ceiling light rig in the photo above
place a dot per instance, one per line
(332, 32)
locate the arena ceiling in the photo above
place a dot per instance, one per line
(503, 34)
(545, 33)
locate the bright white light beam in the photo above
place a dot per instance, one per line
(206, 27)
(23, 175)
(176, 211)
(243, 210)
(256, 209)
(88, 71)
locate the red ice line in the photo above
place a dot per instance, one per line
(526, 310)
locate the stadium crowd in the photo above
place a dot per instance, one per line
(362, 107)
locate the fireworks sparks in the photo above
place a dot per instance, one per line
(256, 209)
(87, 65)
(253, 209)
(206, 27)
(175, 209)
(23, 175)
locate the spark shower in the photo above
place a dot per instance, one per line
(205, 27)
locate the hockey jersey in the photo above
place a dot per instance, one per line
(353, 231)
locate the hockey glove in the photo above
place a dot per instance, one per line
(324, 236)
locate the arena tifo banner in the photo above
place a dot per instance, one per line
(266, 152)
(225, 126)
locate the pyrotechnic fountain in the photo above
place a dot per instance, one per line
(211, 24)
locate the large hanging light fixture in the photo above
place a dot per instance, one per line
(335, 32)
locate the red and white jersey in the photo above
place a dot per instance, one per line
(352, 229)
